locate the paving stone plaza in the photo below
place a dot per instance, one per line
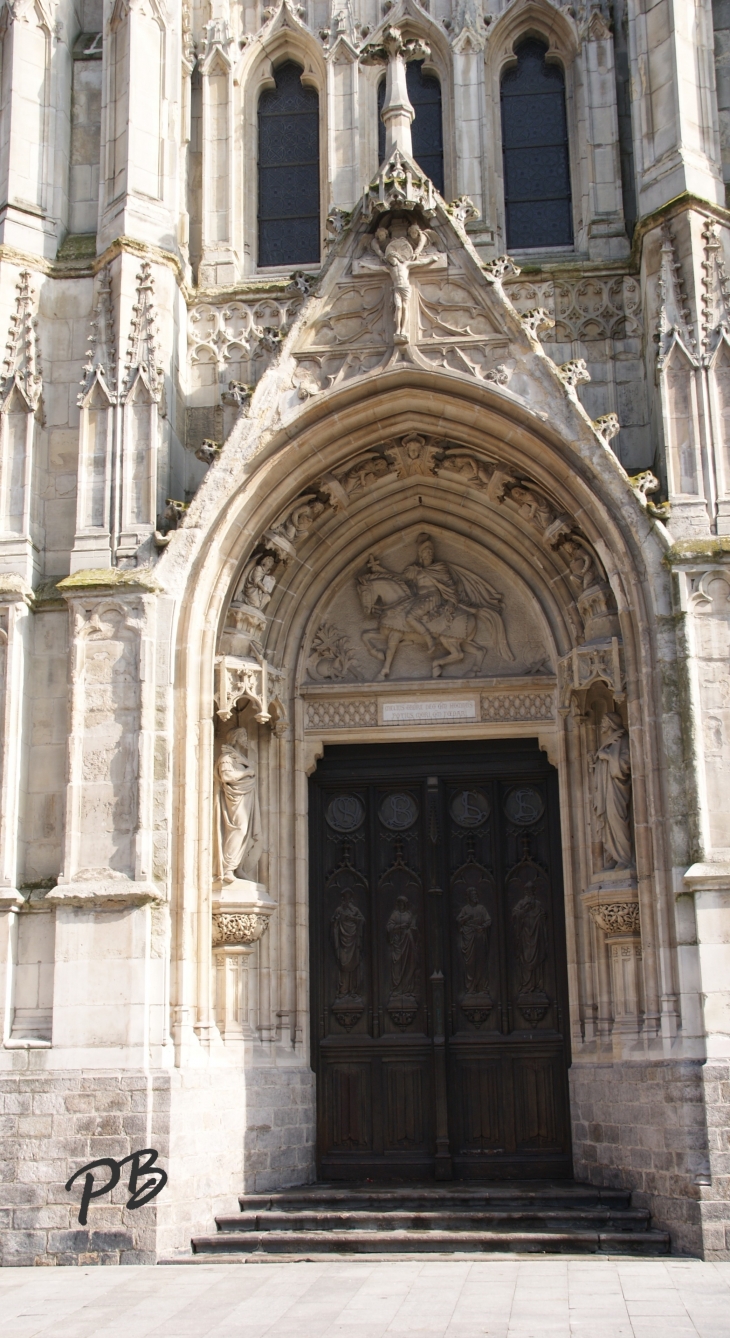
(504, 1298)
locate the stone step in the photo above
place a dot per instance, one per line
(509, 1219)
(316, 1243)
(423, 1198)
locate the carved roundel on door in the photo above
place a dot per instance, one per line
(469, 808)
(524, 805)
(398, 811)
(345, 812)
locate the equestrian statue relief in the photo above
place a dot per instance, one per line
(431, 603)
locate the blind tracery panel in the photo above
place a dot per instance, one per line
(537, 193)
(424, 91)
(288, 171)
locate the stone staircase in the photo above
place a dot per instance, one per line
(464, 1218)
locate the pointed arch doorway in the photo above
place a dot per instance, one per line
(438, 963)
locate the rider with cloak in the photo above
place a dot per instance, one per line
(442, 587)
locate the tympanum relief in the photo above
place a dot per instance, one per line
(414, 611)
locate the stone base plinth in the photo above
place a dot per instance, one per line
(216, 1130)
(662, 1130)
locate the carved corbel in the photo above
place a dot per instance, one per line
(586, 665)
(250, 679)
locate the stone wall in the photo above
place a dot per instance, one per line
(643, 1126)
(53, 1123)
(280, 1128)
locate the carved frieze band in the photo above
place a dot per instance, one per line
(361, 712)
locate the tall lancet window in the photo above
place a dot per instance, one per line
(424, 91)
(289, 231)
(535, 150)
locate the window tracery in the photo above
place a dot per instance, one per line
(537, 188)
(288, 171)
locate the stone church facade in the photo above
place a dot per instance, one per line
(367, 387)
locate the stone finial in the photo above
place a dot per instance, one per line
(22, 369)
(101, 355)
(393, 51)
(142, 353)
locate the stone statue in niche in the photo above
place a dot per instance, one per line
(529, 930)
(611, 766)
(474, 923)
(238, 826)
(259, 585)
(348, 926)
(402, 934)
(401, 249)
(436, 603)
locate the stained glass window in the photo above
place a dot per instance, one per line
(289, 232)
(424, 91)
(535, 151)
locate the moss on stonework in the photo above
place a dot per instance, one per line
(698, 550)
(95, 578)
(78, 246)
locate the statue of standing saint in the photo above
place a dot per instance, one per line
(238, 826)
(611, 765)
(474, 923)
(348, 925)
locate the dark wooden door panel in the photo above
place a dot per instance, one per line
(438, 962)
(408, 1102)
(482, 1108)
(348, 1103)
(538, 1104)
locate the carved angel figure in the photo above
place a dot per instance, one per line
(238, 826)
(348, 924)
(260, 584)
(612, 792)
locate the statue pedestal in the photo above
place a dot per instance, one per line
(241, 912)
(612, 900)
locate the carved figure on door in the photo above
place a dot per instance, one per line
(474, 923)
(402, 934)
(529, 930)
(238, 826)
(611, 765)
(348, 927)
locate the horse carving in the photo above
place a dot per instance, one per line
(431, 603)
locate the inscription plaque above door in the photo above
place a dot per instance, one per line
(438, 962)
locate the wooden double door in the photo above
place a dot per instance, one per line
(439, 999)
